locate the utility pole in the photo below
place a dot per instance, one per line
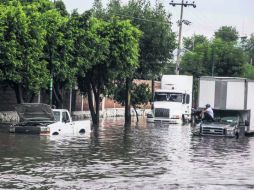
(181, 21)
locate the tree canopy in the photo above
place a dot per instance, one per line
(217, 57)
(227, 34)
(21, 47)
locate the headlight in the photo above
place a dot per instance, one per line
(149, 115)
(230, 132)
(45, 131)
(12, 129)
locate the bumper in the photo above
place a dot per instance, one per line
(167, 121)
(214, 133)
(35, 130)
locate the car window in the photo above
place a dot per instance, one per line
(65, 117)
(56, 115)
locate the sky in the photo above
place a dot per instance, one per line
(206, 18)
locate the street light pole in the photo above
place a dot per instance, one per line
(179, 41)
(182, 4)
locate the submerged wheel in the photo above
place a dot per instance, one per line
(55, 133)
(82, 131)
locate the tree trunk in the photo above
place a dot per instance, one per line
(96, 93)
(32, 97)
(135, 109)
(97, 106)
(18, 93)
(152, 94)
(127, 102)
(57, 96)
(74, 99)
(91, 107)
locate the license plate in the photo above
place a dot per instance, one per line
(212, 130)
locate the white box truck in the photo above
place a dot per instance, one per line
(173, 102)
(232, 100)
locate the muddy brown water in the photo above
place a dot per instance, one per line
(142, 157)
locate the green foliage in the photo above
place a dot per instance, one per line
(141, 94)
(191, 42)
(248, 71)
(124, 48)
(109, 50)
(21, 46)
(227, 58)
(249, 49)
(60, 6)
(227, 34)
(216, 57)
(58, 49)
(157, 42)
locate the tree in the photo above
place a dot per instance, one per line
(21, 49)
(58, 52)
(227, 59)
(191, 42)
(248, 71)
(141, 95)
(227, 34)
(93, 53)
(156, 44)
(112, 50)
(249, 49)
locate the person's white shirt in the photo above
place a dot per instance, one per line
(209, 111)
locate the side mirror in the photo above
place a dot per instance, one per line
(246, 123)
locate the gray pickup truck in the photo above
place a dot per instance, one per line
(228, 124)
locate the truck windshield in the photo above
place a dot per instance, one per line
(168, 97)
(229, 119)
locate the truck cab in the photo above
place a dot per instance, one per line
(171, 106)
(173, 102)
(62, 115)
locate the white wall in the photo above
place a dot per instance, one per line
(206, 93)
(235, 95)
(250, 103)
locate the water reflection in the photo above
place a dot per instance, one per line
(144, 156)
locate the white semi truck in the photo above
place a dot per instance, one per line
(173, 102)
(232, 101)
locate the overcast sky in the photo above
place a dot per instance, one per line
(206, 18)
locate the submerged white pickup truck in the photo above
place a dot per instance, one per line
(40, 119)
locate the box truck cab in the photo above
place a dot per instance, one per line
(172, 103)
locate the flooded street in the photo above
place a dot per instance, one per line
(143, 157)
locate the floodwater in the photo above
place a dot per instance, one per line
(142, 157)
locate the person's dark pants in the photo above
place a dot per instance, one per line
(207, 117)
